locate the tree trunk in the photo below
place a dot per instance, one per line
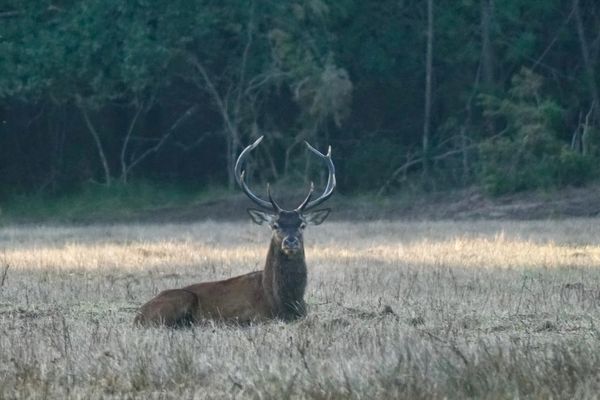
(587, 62)
(98, 142)
(428, 88)
(487, 57)
(487, 52)
(124, 167)
(233, 144)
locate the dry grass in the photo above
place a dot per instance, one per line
(397, 310)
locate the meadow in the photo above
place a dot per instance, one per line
(414, 310)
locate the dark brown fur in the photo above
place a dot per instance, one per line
(275, 292)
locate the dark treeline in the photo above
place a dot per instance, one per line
(500, 94)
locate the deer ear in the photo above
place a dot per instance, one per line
(317, 217)
(258, 216)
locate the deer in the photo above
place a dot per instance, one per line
(274, 293)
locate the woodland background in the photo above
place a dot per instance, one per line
(452, 113)
(436, 94)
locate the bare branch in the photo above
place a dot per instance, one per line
(419, 160)
(585, 131)
(10, 14)
(18, 13)
(464, 128)
(262, 79)
(186, 115)
(132, 124)
(585, 53)
(240, 92)
(212, 89)
(83, 108)
(428, 87)
(194, 144)
(554, 39)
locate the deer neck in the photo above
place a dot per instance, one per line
(284, 281)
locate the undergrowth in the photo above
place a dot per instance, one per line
(93, 202)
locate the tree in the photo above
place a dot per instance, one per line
(269, 50)
(587, 60)
(111, 90)
(428, 88)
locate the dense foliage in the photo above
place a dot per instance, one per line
(108, 90)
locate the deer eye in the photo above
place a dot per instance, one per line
(303, 225)
(275, 225)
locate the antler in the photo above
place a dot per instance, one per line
(271, 204)
(240, 175)
(306, 205)
(272, 200)
(306, 200)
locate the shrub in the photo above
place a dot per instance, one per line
(528, 153)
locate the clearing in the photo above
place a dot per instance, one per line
(444, 309)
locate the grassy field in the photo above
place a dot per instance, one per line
(397, 310)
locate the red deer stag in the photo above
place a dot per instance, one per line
(275, 292)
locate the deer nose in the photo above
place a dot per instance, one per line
(290, 243)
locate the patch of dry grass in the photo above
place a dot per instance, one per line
(397, 310)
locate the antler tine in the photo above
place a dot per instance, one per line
(307, 199)
(260, 202)
(272, 200)
(331, 182)
(240, 176)
(242, 157)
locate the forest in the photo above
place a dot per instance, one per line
(461, 258)
(439, 94)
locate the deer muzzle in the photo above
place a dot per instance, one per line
(290, 245)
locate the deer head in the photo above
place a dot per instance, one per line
(287, 225)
